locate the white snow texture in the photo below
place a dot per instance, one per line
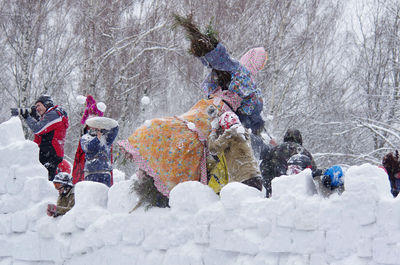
(295, 226)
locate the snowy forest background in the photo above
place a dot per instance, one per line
(333, 70)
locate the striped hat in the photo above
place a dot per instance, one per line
(254, 60)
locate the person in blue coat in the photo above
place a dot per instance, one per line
(97, 144)
(230, 80)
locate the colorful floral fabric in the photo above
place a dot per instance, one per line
(243, 85)
(173, 149)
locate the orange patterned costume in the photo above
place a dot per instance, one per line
(174, 149)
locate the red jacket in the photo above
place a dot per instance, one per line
(50, 130)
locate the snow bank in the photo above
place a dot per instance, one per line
(295, 226)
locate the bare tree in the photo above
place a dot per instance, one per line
(37, 47)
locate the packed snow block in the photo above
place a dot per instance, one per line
(384, 252)
(8, 261)
(330, 212)
(39, 188)
(293, 259)
(388, 214)
(132, 233)
(24, 154)
(318, 259)
(367, 179)
(109, 255)
(183, 255)
(264, 258)
(217, 257)
(150, 258)
(285, 214)
(66, 223)
(14, 181)
(5, 247)
(359, 208)
(106, 231)
(78, 245)
(84, 218)
(90, 205)
(279, 240)
(161, 231)
(37, 212)
(19, 222)
(202, 234)
(35, 249)
(351, 260)
(299, 185)
(191, 196)
(364, 247)
(46, 227)
(213, 213)
(89, 194)
(259, 215)
(5, 224)
(11, 131)
(340, 243)
(236, 240)
(235, 194)
(3, 175)
(13, 203)
(307, 242)
(307, 214)
(120, 197)
(158, 239)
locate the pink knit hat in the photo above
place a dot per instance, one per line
(254, 60)
(92, 109)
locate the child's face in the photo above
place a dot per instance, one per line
(59, 187)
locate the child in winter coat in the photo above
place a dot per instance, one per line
(97, 147)
(92, 109)
(230, 137)
(297, 163)
(66, 198)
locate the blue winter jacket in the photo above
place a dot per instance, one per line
(98, 152)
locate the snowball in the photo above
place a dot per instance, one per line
(191, 126)
(102, 123)
(101, 106)
(81, 99)
(147, 123)
(191, 196)
(145, 100)
(39, 52)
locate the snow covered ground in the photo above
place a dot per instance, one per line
(240, 227)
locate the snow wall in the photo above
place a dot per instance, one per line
(296, 226)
